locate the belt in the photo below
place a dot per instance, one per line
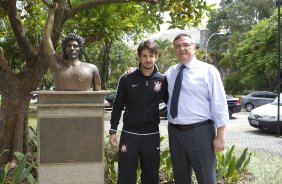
(191, 126)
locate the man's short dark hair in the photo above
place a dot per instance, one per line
(73, 37)
(181, 35)
(151, 46)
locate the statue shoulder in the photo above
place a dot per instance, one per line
(90, 66)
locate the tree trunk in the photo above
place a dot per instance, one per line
(105, 64)
(15, 126)
(16, 96)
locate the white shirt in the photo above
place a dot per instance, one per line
(202, 94)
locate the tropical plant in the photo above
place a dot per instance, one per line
(19, 173)
(229, 167)
(166, 166)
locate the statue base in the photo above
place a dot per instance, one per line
(70, 128)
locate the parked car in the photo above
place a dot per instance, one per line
(162, 110)
(256, 99)
(234, 105)
(265, 116)
(110, 98)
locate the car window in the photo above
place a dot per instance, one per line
(258, 95)
(270, 96)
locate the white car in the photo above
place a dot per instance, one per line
(265, 116)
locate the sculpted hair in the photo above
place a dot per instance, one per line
(183, 35)
(73, 37)
(147, 45)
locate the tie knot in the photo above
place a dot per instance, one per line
(182, 67)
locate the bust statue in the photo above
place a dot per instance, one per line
(69, 72)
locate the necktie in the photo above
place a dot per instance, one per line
(175, 93)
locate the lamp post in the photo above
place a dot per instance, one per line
(278, 3)
(208, 43)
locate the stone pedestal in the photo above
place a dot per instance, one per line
(70, 137)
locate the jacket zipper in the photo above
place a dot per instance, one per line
(145, 117)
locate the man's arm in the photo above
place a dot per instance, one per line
(48, 45)
(117, 110)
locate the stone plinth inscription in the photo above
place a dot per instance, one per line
(70, 140)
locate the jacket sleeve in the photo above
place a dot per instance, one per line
(118, 104)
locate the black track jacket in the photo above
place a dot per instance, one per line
(140, 95)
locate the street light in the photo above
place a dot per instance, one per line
(278, 4)
(208, 43)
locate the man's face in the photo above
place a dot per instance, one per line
(147, 59)
(72, 49)
(184, 49)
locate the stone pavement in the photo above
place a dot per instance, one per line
(238, 133)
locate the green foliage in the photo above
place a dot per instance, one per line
(166, 165)
(20, 173)
(233, 85)
(25, 166)
(257, 56)
(166, 56)
(47, 82)
(229, 168)
(111, 21)
(33, 19)
(236, 17)
(121, 58)
(111, 164)
(265, 168)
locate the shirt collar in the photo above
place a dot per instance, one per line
(188, 65)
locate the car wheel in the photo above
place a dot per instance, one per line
(249, 107)
(230, 113)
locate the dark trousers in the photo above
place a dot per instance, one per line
(133, 148)
(193, 149)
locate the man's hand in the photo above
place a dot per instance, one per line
(113, 140)
(219, 141)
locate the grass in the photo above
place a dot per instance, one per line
(265, 168)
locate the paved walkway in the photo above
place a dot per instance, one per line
(240, 133)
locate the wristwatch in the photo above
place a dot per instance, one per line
(112, 131)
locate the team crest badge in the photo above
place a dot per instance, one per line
(123, 148)
(158, 86)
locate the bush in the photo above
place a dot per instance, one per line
(229, 167)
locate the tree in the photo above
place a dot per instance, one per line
(257, 56)
(23, 22)
(235, 17)
(121, 57)
(166, 56)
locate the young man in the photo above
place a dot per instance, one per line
(197, 114)
(140, 92)
(69, 73)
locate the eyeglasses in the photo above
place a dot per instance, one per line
(185, 45)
